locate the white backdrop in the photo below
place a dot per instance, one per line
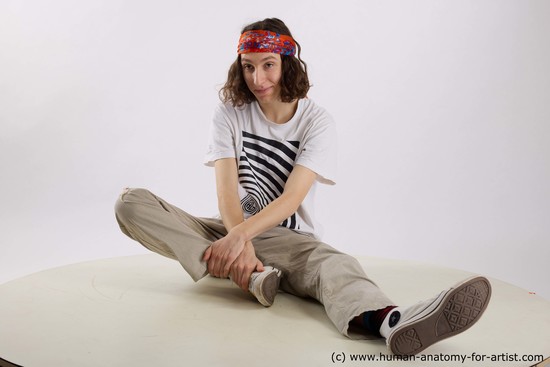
(443, 111)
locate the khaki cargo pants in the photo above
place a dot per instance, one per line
(310, 268)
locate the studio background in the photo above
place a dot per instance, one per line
(442, 110)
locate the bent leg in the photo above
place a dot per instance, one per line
(314, 269)
(167, 230)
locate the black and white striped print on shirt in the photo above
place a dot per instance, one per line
(264, 167)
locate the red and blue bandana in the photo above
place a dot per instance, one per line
(266, 41)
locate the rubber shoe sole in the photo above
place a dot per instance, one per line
(457, 310)
(265, 288)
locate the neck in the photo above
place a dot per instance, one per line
(279, 112)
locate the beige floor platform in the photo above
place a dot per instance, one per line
(146, 311)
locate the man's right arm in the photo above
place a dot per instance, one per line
(241, 254)
(227, 181)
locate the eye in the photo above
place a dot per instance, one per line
(248, 67)
(269, 65)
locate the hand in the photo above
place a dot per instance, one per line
(222, 253)
(244, 265)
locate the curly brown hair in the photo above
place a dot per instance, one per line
(294, 80)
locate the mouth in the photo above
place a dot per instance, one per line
(263, 91)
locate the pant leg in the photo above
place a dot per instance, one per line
(310, 268)
(167, 230)
(314, 269)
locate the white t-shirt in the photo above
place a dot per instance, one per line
(267, 152)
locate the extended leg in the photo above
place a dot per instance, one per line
(314, 269)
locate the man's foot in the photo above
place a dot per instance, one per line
(410, 330)
(264, 285)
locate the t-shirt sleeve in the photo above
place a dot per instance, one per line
(318, 151)
(221, 143)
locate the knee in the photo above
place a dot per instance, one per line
(338, 264)
(129, 201)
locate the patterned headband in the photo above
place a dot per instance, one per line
(266, 41)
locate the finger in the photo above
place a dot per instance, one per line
(207, 254)
(214, 265)
(244, 280)
(225, 266)
(216, 268)
(219, 263)
(236, 273)
(259, 266)
(239, 280)
(232, 275)
(211, 268)
(225, 269)
(238, 276)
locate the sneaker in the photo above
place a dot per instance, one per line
(410, 330)
(264, 285)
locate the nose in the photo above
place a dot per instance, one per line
(259, 77)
